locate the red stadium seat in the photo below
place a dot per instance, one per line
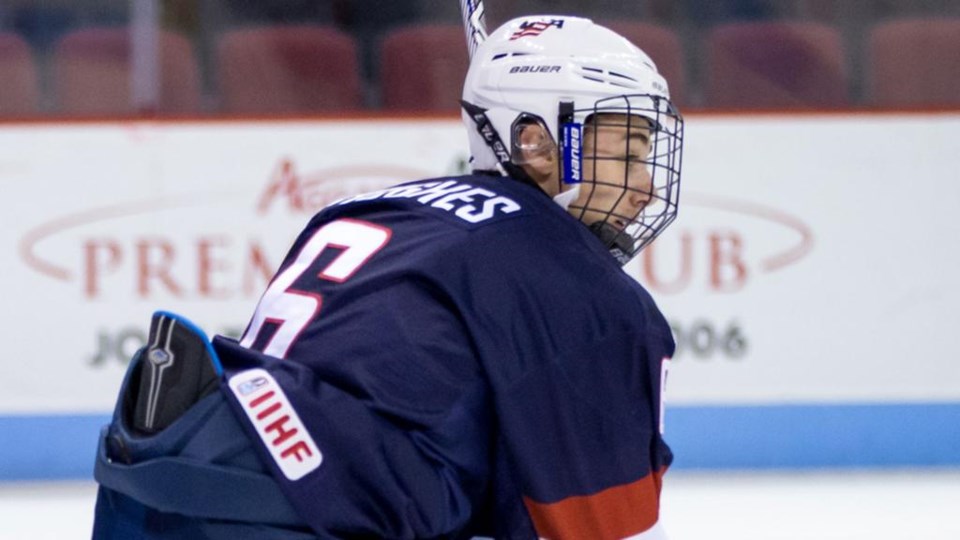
(663, 46)
(288, 69)
(775, 65)
(19, 94)
(422, 68)
(91, 73)
(914, 62)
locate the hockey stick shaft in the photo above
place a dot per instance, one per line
(474, 23)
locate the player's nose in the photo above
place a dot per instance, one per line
(641, 191)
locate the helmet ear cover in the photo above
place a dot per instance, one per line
(522, 151)
(569, 146)
(485, 128)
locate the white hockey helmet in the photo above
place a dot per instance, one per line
(567, 72)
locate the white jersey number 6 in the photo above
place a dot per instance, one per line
(293, 309)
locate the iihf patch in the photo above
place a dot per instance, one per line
(277, 423)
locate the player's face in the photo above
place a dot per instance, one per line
(617, 182)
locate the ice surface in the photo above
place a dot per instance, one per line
(821, 505)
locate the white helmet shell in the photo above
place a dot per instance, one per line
(567, 73)
(532, 64)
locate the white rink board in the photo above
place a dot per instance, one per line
(819, 251)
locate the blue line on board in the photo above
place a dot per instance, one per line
(57, 447)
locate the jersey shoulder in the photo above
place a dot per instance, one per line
(457, 225)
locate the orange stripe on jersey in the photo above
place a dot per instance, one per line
(611, 514)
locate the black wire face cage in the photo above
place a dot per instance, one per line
(630, 188)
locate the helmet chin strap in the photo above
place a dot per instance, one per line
(620, 245)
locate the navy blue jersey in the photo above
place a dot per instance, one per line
(454, 357)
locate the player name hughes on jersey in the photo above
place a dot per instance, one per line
(465, 201)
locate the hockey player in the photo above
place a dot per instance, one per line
(447, 358)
